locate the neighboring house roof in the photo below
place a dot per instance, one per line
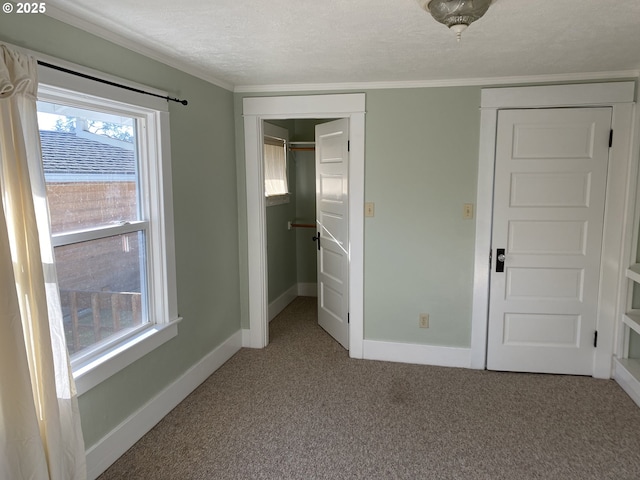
(65, 153)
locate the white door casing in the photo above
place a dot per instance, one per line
(549, 193)
(618, 204)
(332, 220)
(255, 110)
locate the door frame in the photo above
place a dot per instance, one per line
(257, 109)
(618, 217)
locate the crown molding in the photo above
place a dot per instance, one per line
(454, 82)
(106, 34)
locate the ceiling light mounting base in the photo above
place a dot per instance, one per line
(456, 14)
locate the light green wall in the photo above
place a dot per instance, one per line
(281, 249)
(281, 242)
(634, 344)
(421, 156)
(420, 168)
(306, 200)
(306, 212)
(205, 211)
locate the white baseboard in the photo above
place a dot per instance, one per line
(282, 301)
(307, 289)
(101, 455)
(418, 354)
(627, 373)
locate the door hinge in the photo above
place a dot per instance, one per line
(348, 145)
(490, 258)
(611, 138)
(348, 319)
(595, 339)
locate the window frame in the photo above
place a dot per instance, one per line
(275, 133)
(96, 364)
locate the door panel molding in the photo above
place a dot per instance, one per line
(620, 192)
(529, 328)
(332, 218)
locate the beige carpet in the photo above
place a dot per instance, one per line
(302, 409)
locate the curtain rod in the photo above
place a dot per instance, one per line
(113, 84)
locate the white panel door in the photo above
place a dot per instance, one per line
(550, 182)
(332, 210)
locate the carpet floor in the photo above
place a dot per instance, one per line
(302, 409)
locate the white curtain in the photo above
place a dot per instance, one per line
(275, 167)
(40, 435)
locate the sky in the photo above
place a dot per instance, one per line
(47, 121)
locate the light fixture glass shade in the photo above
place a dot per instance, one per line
(456, 14)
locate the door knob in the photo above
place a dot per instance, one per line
(500, 258)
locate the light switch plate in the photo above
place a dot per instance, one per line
(467, 212)
(369, 209)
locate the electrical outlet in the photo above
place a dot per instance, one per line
(424, 320)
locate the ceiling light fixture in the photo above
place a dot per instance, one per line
(456, 14)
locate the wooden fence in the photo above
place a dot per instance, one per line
(90, 315)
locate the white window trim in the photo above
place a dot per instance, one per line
(272, 200)
(161, 276)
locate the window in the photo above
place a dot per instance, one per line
(107, 176)
(274, 151)
(275, 167)
(98, 221)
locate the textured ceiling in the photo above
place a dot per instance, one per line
(245, 43)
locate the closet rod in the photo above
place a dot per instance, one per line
(303, 225)
(293, 146)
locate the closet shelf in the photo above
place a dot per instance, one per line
(633, 272)
(302, 146)
(632, 320)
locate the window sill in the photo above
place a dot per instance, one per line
(277, 200)
(122, 355)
